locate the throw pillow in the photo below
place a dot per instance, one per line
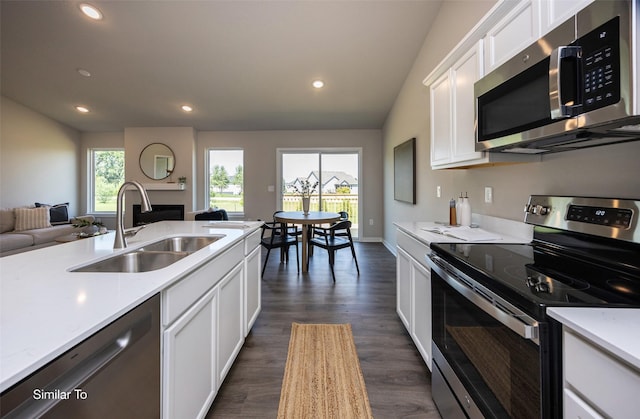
(7, 219)
(58, 214)
(32, 218)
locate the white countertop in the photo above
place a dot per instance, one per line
(616, 330)
(46, 310)
(509, 231)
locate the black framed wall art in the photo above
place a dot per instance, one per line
(404, 172)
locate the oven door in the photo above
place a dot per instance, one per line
(486, 353)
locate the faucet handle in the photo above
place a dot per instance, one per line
(130, 232)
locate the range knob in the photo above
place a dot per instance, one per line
(541, 210)
(537, 209)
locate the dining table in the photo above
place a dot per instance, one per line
(306, 220)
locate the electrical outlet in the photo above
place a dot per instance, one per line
(488, 195)
(370, 221)
(438, 192)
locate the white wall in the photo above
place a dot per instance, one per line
(260, 167)
(38, 159)
(181, 140)
(611, 171)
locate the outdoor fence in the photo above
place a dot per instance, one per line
(330, 202)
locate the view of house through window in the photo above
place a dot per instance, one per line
(226, 180)
(334, 175)
(106, 170)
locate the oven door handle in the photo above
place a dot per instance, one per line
(487, 301)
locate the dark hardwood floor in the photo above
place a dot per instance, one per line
(397, 380)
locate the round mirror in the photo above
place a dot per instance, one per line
(157, 161)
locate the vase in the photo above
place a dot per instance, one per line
(305, 205)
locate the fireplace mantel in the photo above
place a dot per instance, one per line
(164, 186)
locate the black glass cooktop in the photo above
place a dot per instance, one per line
(534, 277)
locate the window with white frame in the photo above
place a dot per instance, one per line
(106, 175)
(225, 180)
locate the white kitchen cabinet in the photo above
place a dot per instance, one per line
(452, 116)
(413, 284)
(253, 281)
(403, 288)
(441, 113)
(421, 311)
(189, 385)
(554, 12)
(204, 325)
(516, 31)
(453, 112)
(596, 382)
(230, 320)
(464, 73)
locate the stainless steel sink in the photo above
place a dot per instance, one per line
(182, 244)
(134, 261)
(151, 257)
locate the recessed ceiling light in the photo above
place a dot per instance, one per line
(318, 84)
(84, 72)
(82, 109)
(91, 11)
(186, 108)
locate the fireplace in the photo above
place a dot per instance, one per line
(160, 212)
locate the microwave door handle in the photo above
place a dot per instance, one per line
(560, 110)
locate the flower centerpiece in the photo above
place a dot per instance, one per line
(305, 190)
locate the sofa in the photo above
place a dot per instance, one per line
(28, 228)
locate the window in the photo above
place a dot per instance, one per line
(335, 174)
(225, 180)
(106, 175)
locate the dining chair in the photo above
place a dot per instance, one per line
(330, 241)
(279, 238)
(293, 230)
(319, 231)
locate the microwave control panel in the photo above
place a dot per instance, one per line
(601, 66)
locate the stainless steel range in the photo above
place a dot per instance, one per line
(495, 351)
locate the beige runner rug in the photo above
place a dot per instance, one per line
(322, 377)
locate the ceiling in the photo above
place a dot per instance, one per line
(242, 65)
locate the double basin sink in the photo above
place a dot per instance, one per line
(156, 255)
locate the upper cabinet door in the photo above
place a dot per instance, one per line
(441, 119)
(513, 33)
(554, 12)
(464, 74)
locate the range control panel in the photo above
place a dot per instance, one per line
(604, 217)
(613, 217)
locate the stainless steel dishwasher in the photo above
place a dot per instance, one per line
(114, 373)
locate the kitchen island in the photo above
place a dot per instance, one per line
(47, 309)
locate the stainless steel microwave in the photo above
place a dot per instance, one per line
(577, 87)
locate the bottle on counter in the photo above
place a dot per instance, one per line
(465, 211)
(458, 206)
(452, 213)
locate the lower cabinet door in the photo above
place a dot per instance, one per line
(421, 331)
(403, 288)
(190, 356)
(253, 291)
(230, 320)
